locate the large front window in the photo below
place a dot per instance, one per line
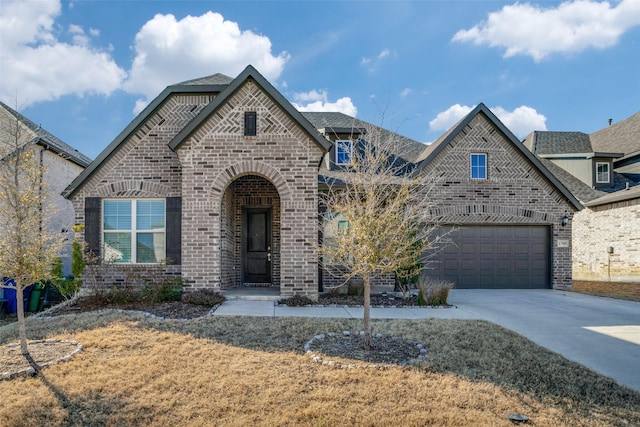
(134, 230)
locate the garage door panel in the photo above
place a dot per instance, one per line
(513, 256)
(487, 248)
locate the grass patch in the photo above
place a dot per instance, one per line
(252, 371)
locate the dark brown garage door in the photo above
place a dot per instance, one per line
(494, 257)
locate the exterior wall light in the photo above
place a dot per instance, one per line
(565, 220)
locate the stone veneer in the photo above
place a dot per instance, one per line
(598, 228)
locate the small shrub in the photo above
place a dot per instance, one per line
(433, 292)
(115, 295)
(297, 301)
(68, 286)
(164, 291)
(205, 297)
(355, 289)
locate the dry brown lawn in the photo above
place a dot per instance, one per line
(240, 371)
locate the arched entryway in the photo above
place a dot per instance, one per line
(250, 238)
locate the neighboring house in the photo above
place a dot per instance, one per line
(222, 176)
(602, 170)
(62, 163)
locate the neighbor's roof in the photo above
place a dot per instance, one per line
(45, 138)
(548, 142)
(621, 137)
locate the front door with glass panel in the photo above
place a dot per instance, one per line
(256, 245)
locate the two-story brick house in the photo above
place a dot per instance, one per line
(222, 176)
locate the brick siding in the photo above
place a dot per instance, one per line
(515, 192)
(216, 156)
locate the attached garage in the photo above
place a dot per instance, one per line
(494, 257)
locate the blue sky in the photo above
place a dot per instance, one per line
(83, 69)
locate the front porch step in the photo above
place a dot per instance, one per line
(252, 293)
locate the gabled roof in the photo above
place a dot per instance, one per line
(46, 139)
(435, 148)
(211, 84)
(249, 73)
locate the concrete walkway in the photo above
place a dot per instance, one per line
(602, 334)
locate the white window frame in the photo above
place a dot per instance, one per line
(134, 230)
(340, 142)
(471, 166)
(598, 181)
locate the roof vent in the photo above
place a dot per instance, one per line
(610, 121)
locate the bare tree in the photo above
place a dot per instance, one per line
(377, 210)
(27, 245)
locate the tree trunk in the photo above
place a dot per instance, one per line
(366, 282)
(22, 330)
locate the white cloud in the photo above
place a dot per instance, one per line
(521, 121)
(449, 117)
(571, 27)
(312, 95)
(36, 66)
(384, 53)
(406, 91)
(318, 101)
(168, 51)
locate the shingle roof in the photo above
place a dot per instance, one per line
(42, 136)
(548, 142)
(214, 79)
(579, 189)
(618, 196)
(407, 148)
(621, 137)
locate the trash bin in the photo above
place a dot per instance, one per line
(10, 296)
(37, 294)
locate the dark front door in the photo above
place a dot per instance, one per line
(256, 245)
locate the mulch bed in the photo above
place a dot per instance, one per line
(167, 310)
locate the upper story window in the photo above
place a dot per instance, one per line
(250, 123)
(602, 173)
(478, 166)
(134, 230)
(343, 152)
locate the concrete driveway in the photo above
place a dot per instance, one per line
(602, 334)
